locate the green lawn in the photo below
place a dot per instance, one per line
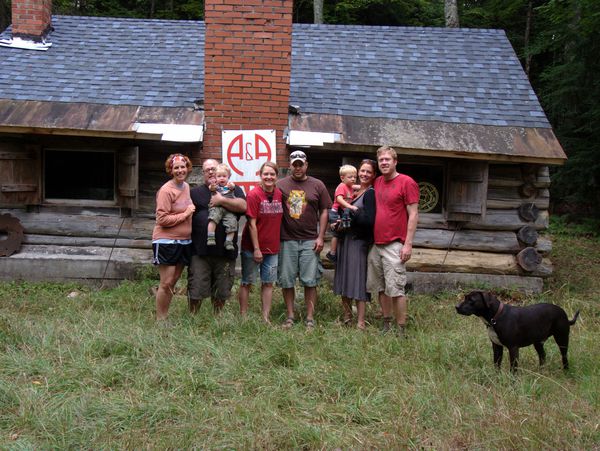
(95, 371)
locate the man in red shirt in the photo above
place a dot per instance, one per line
(396, 217)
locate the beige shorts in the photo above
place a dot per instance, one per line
(385, 270)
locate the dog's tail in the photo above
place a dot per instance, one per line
(574, 318)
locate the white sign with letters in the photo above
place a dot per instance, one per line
(244, 151)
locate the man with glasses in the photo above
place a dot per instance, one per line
(212, 268)
(306, 205)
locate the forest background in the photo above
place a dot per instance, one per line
(557, 41)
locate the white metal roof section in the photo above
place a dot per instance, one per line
(18, 43)
(172, 132)
(300, 138)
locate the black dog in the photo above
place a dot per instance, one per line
(517, 327)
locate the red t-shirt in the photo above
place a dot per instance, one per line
(392, 197)
(342, 190)
(268, 216)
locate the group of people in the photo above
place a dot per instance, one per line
(373, 221)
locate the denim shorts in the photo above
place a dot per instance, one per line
(297, 258)
(267, 268)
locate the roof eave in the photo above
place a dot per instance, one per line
(94, 120)
(438, 139)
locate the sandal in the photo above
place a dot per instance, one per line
(347, 321)
(288, 323)
(310, 323)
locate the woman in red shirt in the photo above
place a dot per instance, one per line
(260, 239)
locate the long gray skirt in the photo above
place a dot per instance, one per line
(351, 270)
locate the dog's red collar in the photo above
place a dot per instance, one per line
(498, 313)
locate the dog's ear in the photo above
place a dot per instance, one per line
(488, 299)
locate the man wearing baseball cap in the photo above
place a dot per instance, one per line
(306, 205)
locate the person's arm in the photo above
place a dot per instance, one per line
(164, 211)
(258, 256)
(323, 220)
(413, 219)
(233, 204)
(340, 200)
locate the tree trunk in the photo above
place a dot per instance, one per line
(527, 36)
(451, 13)
(318, 11)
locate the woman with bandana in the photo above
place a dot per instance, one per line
(171, 238)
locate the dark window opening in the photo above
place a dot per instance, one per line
(431, 184)
(79, 175)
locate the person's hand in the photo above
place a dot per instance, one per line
(334, 225)
(190, 210)
(406, 252)
(230, 185)
(212, 186)
(258, 256)
(353, 208)
(318, 245)
(216, 199)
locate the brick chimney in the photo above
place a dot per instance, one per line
(247, 69)
(31, 19)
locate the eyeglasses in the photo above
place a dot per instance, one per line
(207, 170)
(369, 161)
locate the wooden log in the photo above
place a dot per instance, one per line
(435, 260)
(432, 221)
(57, 240)
(434, 282)
(508, 197)
(475, 240)
(35, 262)
(544, 269)
(505, 204)
(507, 220)
(528, 212)
(504, 183)
(543, 177)
(544, 245)
(529, 259)
(528, 191)
(84, 225)
(527, 235)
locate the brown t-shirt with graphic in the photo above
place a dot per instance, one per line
(302, 203)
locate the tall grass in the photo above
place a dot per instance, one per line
(95, 371)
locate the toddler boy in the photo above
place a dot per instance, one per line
(222, 185)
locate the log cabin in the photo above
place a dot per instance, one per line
(90, 107)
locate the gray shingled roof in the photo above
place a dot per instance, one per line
(431, 74)
(110, 61)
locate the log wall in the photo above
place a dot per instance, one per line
(504, 246)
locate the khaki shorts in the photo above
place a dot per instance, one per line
(385, 270)
(210, 277)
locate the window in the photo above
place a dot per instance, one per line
(73, 175)
(431, 183)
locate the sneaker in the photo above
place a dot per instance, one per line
(210, 241)
(229, 245)
(331, 257)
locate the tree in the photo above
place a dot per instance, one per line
(569, 86)
(451, 14)
(318, 11)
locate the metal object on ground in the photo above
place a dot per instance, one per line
(11, 235)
